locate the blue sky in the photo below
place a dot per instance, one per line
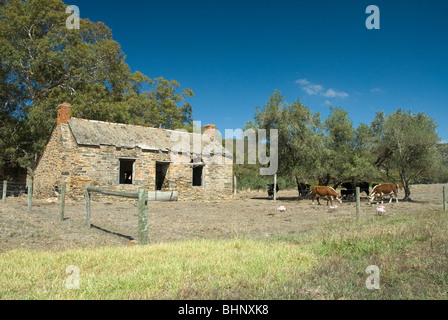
(234, 54)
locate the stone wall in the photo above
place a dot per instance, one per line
(77, 165)
(56, 163)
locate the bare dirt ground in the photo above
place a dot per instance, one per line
(251, 214)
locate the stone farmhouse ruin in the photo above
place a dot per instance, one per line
(128, 157)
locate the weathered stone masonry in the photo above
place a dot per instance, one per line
(82, 151)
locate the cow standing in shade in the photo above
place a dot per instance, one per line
(271, 190)
(385, 189)
(327, 192)
(351, 189)
(304, 189)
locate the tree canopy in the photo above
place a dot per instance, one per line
(406, 147)
(43, 64)
(299, 134)
(401, 147)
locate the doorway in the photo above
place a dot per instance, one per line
(161, 173)
(198, 174)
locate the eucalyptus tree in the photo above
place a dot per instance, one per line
(406, 147)
(43, 63)
(300, 136)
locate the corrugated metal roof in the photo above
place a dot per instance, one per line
(97, 133)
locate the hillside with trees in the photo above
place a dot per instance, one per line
(400, 147)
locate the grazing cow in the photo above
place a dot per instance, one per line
(271, 190)
(363, 187)
(304, 189)
(351, 189)
(323, 191)
(385, 189)
(347, 193)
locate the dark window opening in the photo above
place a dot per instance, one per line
(197, 175)
(161, 173)
(127, 171)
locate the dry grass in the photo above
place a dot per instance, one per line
(239, 249)
(328, 262)
(251, 215)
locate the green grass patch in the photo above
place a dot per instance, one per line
(197, 269)
(327, 263)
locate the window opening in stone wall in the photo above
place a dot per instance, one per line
(127, 171)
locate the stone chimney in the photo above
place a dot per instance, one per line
(209, 129)
(64, 113)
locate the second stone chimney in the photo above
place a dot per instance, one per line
(209, 129)
(64, 113)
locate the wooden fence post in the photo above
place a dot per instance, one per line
(358, 203)
(444, 198)
(143, 196)
(275, 187)
(5, 188)
(142, 216)
(62, 200)
(87, 196)
(234, 185)
(30, 194)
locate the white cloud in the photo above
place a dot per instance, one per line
(309, 87)
(313, 89)
(376, 90)
(331, 93)
(303, 82)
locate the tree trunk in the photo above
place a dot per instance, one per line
(407, 190)
(407, 193)
(297, 183)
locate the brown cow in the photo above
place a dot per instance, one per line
(385, 189)
(323, 191)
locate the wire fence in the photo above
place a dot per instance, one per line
(13, 189)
